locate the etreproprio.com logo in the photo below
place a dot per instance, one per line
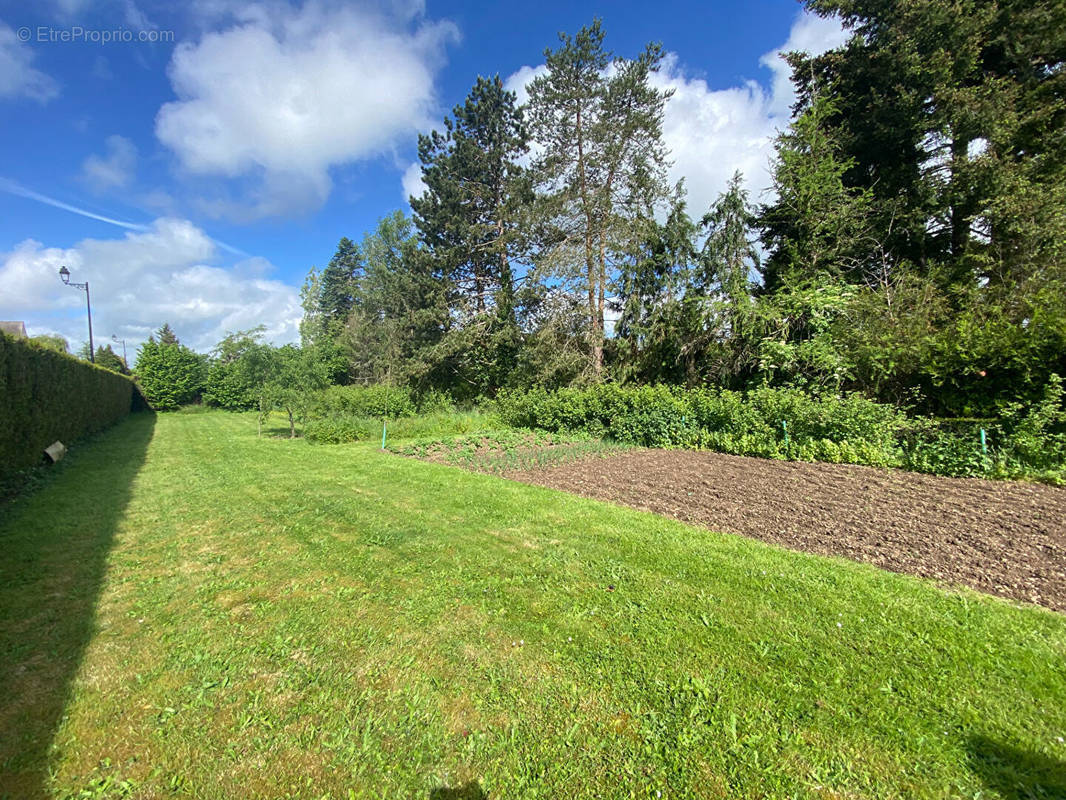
(76, 34)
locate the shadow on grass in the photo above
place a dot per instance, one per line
(468, 791)
(1017, 774)
(54, 545)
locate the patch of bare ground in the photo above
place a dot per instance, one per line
(1003, 538)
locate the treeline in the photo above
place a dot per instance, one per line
(911, 249)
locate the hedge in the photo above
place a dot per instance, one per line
(46, 395)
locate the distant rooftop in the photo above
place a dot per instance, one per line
(14, 328)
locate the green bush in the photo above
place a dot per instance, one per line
(338, 430)
(231, 387)
(1028, 441)
(170, 374)
(661, 416)
(377, 400)
(46, 395)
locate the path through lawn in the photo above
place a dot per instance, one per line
(189, 611)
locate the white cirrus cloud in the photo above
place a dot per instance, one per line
(113, 170)
(18, 76)
(140, 281)
(279, 98)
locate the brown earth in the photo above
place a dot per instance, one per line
(1004, 538)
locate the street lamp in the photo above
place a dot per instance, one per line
(114, 338)
(64, 273)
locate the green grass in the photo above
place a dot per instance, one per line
(347, 429)
(189, 611)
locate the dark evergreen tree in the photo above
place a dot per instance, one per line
(336, 292)
(109, 359)
(400, 312)
(467, 219)
(169, 374)
(166, 335)
(950, 114)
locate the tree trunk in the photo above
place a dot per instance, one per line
(595, 343)
(292, 424)
(601, 280)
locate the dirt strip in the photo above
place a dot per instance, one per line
(1004, 538)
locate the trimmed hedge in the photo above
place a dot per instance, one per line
(46, 395)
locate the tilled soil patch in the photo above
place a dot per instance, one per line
(1004, 538)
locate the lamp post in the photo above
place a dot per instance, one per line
(64, 273)
(116, 339)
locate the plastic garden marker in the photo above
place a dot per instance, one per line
(384, 425)
(784, 427)
(984, 443)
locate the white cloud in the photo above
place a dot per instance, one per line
(413, 185)
(18, 76)
(142, 280)
(809, 34)
(72, 10)
(279, 98)
(711, 133)
(115, 169)
(518, 82)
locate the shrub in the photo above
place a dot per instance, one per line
(660, 416)
(376, 400)
(170, 374)
(47, 395)
(338, 430)
(231, 387)
(1028, 441)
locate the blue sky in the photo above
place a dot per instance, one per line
(238, 141)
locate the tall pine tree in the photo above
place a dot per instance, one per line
(468, 221)
(601, 165)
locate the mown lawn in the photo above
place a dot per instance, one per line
(187, 610)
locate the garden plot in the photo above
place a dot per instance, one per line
(505, 452)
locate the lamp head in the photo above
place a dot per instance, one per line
(64, 273)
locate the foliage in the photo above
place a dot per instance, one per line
(51, 342)
(289, 380)
(785, 423)
(339, 430)
(913, 250)
(169, 374)
(468, 220)
(109, 359)
(601, 167)
(376, 400)
(49, 396)
(400, 309)
(235, 373)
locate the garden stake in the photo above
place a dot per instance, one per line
(784, 427)
(984, 443)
